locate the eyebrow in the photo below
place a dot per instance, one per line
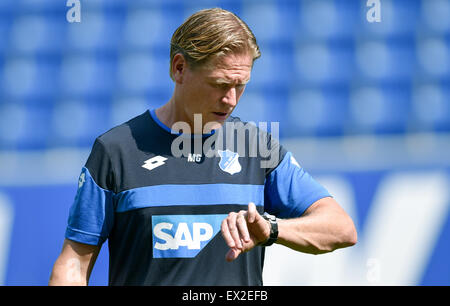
(225, 81)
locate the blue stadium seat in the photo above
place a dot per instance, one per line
(87, 75)
(27, 78)
(313, 62)
(144, 72)
(318, 19)
(98, 30)
(124, 109)
(18, 77)
(263, 18)
(46, 81)
(69, 122)
(274, 67)
(380, 60)
(401, 60)
(433, 57)
(430, 108)
(134, 72)
(36, 33)
(314, 112)
(288, 12)
(435, 15)
(252, 106)
(13, 125)
(150, 27)
(96, 110)
(380, 110)
(349, 16)
(78, 122)
(111, 40)
(37, 128)
(88, 34)
(142, 28)
(321, 63)
(398, 19)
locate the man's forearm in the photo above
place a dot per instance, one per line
(68, 273)
(74, 265)
(323, 230)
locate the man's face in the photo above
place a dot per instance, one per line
(213, 90)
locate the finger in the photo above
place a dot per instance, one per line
(242, 226)
(226, 234)
(232, 228)
(252, 212)
(232, 254)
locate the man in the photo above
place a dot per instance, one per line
(161, 211)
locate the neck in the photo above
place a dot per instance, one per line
(167, 114)
(171, 113)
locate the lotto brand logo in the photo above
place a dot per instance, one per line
(183, 236)
(154, 162)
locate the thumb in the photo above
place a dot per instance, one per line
(251, 212)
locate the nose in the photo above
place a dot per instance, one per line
(230, 97)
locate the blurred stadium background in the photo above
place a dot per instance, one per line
(365, 107)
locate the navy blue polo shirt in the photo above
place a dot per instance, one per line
(161, 212)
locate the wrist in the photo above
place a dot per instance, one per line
(272, 236)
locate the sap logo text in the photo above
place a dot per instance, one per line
(183, 236)
(201, 232)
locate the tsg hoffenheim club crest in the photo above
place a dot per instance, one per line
(229, 161)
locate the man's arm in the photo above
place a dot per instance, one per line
(74, 265)
(324, 227)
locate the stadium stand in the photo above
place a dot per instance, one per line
(321, 62)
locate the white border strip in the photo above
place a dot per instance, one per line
(57, 166)
(372, 153)
(63, 166)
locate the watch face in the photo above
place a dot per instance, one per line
(271, 218)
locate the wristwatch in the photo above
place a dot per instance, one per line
(273, 229)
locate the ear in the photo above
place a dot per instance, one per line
(179, 66)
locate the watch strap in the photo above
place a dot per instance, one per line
(273, 230)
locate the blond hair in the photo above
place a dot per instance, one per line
(211, 33)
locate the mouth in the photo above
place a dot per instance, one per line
(221, 115)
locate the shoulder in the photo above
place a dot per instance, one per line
(109, 149)
(124, 133)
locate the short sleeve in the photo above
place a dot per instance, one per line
(91, 215)
(289, 190)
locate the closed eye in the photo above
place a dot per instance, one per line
(223, 86)
(240, 86)
(226, 86)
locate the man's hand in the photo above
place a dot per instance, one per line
(244, 230)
